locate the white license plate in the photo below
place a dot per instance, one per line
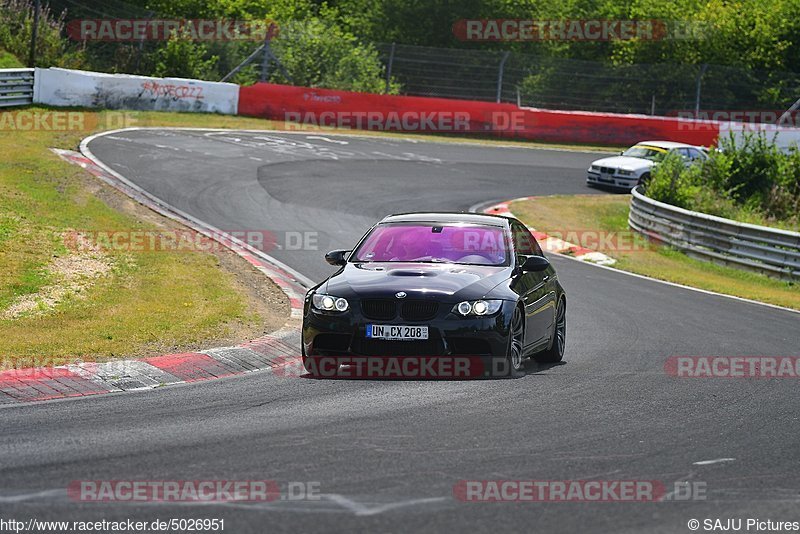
(396, 332)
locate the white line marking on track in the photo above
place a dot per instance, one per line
(321, 138)
(46, 494)
(717, 461)
(363, 510)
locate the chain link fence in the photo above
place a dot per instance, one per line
(557, 83)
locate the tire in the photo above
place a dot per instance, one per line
(556, 351)
(514, 362)
(643, 179)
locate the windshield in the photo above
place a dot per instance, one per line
(429, 243)
(645, 152)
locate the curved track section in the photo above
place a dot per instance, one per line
(387, 455)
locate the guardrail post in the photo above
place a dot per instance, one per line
(34, 33)
(265, 60)
(500, 75)
(700, 74)
(389, 66)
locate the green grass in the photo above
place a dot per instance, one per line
(9, 61)
(560, 215)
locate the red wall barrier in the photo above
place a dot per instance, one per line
(330, 108)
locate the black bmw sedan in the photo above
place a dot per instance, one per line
(441, 288)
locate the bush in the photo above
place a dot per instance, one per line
(316, 53)
(181, 58)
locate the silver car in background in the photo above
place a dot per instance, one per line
(633, 166)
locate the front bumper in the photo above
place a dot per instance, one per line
(627, 182)
(327, 334)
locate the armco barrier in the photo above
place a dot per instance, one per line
(745, 246)
(386, 112)
(64, 87)
(16, 87)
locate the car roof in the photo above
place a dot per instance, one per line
(667, 145)
(447, 217)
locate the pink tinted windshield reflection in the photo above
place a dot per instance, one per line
(480, 245)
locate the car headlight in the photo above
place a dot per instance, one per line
(594, 168)
(477, 307)
(623, 172)
(329, 303)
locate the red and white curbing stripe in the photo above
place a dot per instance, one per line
(90, 378)
(553, 244)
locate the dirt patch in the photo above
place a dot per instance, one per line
(72, 275)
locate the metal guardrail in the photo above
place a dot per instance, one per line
(16, 87)
(755, 248)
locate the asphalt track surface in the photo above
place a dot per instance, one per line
(387, 454)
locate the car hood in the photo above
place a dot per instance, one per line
(625, 162)
(445, 281)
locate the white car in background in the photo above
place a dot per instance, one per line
(632, 167)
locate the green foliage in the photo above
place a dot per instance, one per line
(747, 33)
(751, 180)
(316, 53)
(182, 58)
(328, 43)
(16, 27)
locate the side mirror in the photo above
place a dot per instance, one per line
(621, 152)
(337, 257)
(535, 264)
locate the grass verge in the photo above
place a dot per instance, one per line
(58, 304)
(600, 222)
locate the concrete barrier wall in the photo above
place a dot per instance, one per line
(64, 87)
(325, 107)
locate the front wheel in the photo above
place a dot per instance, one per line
(643, 179)
(556, 351)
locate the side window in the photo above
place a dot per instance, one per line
(695, 154)
(524, 242)
(684, 153)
